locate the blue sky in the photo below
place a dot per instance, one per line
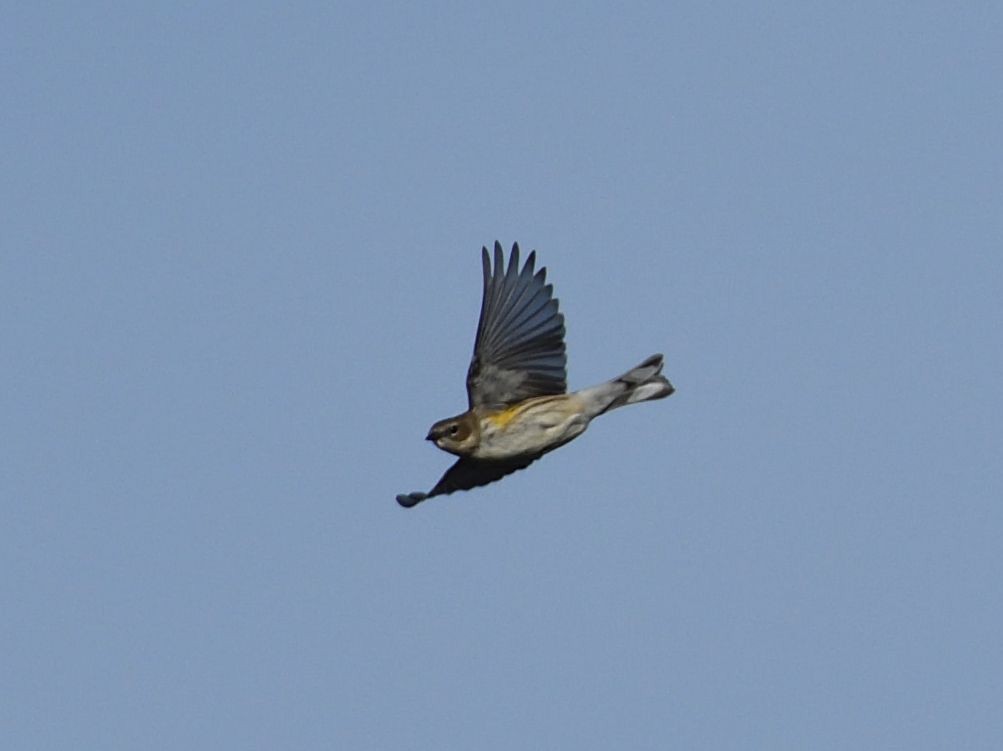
(240, 277)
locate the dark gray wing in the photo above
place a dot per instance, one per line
(466, 474)
(519, 350)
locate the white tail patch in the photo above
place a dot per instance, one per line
(651, 390)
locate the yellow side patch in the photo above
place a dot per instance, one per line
(503, 418)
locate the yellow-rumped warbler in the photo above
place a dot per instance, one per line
(517, 383)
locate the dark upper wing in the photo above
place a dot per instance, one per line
(519, 351)
(466, 474)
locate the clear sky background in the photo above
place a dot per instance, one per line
(240, 277)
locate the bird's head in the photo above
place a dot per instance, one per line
(458, 435)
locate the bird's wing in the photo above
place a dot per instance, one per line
(466, 474)
(519, 350)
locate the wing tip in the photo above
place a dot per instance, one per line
(410, 500)
(486, 264)
(499, 258)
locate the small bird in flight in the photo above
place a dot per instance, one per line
(519, 408)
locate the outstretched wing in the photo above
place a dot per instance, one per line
(466, 474)
(519, 351)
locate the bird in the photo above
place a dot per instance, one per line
(519, 407)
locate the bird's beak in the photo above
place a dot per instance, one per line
(430, 436)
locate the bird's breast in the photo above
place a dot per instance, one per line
(531, 427)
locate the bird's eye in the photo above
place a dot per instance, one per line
(454, 429)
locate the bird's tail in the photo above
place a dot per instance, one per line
(640, 384)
